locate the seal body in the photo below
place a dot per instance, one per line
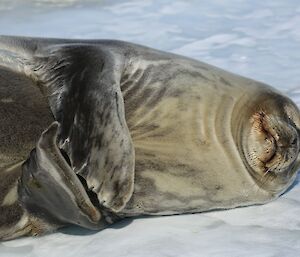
(182, 117)
(139, 131)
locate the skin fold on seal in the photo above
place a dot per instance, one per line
(93, 131)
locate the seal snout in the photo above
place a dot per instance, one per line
(273, 144)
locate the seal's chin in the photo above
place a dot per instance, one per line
(271, 150)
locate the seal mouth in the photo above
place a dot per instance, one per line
(262, 127)
(272, 158)
(266, 153)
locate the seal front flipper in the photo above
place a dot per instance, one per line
(51, 190)
(94, 132)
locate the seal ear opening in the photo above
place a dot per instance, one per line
(50, 189)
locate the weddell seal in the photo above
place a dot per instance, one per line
(93, 131)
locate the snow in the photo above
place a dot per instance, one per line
(258, 39)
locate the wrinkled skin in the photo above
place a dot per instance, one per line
(94, 131)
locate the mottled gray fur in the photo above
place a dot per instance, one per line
(147, 132)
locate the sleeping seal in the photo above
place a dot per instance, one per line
(119, 130)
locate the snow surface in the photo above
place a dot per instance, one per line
(258, 39)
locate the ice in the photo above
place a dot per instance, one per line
(258, 39)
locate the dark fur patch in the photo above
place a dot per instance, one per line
(10, 215)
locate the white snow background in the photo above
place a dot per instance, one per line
(255, 38)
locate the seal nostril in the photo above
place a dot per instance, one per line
(294, 141)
